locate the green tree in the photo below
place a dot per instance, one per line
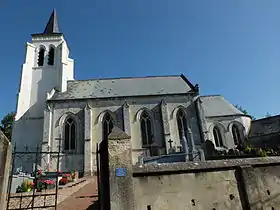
(268, 115)
(244, 111)
(7, 124)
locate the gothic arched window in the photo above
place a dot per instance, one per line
(217, 137)
(146, 129)
(51, 56)
(182, 124)
(41, 57)
(236, 135)
(70, 134)
(107, 125)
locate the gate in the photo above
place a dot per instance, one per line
(29, 186)
(102, 163)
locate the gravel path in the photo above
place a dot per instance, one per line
(86, 196)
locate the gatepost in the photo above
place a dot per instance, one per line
(120, 167)
(5, 164)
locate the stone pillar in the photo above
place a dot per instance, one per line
(5, 166)
(120, 167)
(126, 118)
(47, 137)
(192, 151)
(88, 156)
(202, 120)
(191, 140)
(250, 190)
(166, 130)
(185, 146)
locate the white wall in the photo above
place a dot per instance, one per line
(225, 126)
(118, 109)
(36, 81)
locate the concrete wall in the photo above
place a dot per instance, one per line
(5, 163)
(265, 132)
(252, 183)
(225, 184)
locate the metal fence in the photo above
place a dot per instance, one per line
(28, 188)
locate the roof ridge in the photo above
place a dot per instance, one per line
(214, 95)
(114, 78)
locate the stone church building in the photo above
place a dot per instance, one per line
(158, 112)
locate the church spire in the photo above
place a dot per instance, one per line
(52, 25)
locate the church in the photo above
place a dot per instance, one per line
(55, 111)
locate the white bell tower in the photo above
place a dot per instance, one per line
(46, 67)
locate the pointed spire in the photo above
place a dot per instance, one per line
(52, 25)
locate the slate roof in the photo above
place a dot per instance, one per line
(52, 25)
(124, 87)
(216, 105)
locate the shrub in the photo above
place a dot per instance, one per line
(27, 185)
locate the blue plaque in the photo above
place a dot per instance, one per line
(120, 172)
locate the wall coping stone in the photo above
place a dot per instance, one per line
(4, 140)
(211, 165)
(118, 134)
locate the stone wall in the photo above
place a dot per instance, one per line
(252, 183)
(220, 185)
(265, 132)
(5, 163)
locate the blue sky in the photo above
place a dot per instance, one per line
(227, 47)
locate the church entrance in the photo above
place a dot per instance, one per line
(102, 158)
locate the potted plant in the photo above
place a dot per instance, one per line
(68, 177)
(74, 175)
(63, 181)
(48, 183)
(27, 185)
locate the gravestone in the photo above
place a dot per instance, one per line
(5, 163)
(209, 148)
(120, 167)
(171, 148)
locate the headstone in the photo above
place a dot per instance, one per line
(171, 148)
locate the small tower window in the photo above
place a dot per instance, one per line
(51, 56)
(41, 57)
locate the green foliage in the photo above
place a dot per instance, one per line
(240, 108)
(7, 123)
(27, 185)
(268, 115)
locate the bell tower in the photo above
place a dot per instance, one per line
(47, 66)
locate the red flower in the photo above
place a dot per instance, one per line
(63, 181)
(59, 171)
(39, 172)
(48, 182)
(68, 175)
